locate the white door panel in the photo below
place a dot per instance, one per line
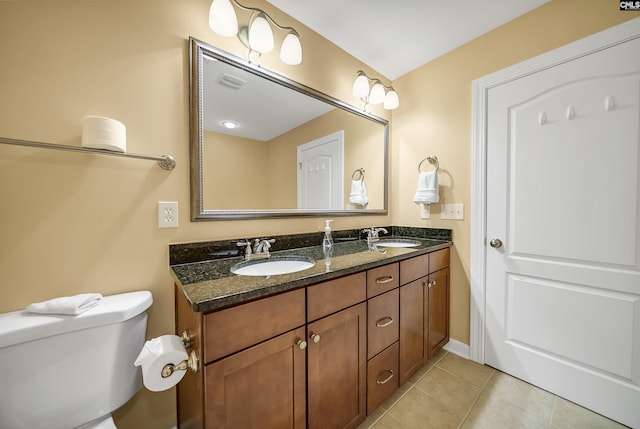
(563, 196)
(320, 173)
(596, 313)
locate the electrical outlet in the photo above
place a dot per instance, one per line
(452, 211)
(425, 211)
(167, 214)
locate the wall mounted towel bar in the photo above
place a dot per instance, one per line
(358, 171)
(433, 160)
(167, 162)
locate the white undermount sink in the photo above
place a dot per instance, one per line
(273, 266)
(397, 242)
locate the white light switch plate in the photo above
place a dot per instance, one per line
(452, 211)
(167, 214)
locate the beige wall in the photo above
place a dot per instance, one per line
(236, 185)
(75, 223)
(367, 153)
(434, 117)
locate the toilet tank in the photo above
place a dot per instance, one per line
(64, 371)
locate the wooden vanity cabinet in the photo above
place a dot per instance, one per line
(382, 333)
(317, 357)
(424, 310)
(261, 387)
(382, 377)
(413, 318)
(438, 311)
(253, 370)
(336, 355)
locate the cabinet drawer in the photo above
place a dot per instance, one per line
(438, 260)
(334, 295)
(414, 268)
(382, 279)
(382, 322)
(232, 329)
(382, 377)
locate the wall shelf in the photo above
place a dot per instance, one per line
(166, 162)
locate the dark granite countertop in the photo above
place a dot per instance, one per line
(210, 285)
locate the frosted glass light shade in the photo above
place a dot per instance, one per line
(222, 18)
(391, 100)
(361, 86)
(260, 34)
(377, 94)
(291, 50)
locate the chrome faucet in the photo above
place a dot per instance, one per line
(372, 233)
(259, 250)
(261, 247)
(373, 236)
(247, 251)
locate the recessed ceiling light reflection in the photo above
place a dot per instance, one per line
(230, 124)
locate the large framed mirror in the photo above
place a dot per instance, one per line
(292, 151)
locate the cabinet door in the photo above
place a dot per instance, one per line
(336, 380)
(413, 323)
(438, 310)
(261, 387)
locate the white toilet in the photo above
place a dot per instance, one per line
(62, 372)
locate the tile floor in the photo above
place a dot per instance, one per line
(453, 392)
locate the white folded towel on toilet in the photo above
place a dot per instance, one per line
(427, 192)
(358, 194)
(69, 305)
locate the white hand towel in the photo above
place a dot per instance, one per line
(69, 305)
(358, 194)
(427, 191)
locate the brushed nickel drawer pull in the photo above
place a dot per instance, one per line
(383, 280)
(315, 338)
(388, 321)
(302, 344)
(386, 380)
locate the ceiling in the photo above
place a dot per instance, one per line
(395, 37)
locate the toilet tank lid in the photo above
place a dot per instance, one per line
(19, 326)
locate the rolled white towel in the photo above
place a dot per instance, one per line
(358, 194)
(427, 191)
(69, 305)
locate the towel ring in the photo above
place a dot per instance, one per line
(358, 170)
(433, 160)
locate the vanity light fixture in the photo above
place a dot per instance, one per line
(373, 91)
(258, 35)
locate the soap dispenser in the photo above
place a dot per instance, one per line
(327, 241)
(327, 244)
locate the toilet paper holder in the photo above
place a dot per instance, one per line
(193, 363)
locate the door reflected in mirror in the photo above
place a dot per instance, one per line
(265, 146)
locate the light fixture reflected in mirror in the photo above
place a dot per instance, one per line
(373, 91)
(258, 35)
(230, 124)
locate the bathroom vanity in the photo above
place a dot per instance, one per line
(320, 348)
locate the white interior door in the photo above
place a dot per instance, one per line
(562, 230)
(321, 172)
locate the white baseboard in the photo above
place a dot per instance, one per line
(458, 348)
